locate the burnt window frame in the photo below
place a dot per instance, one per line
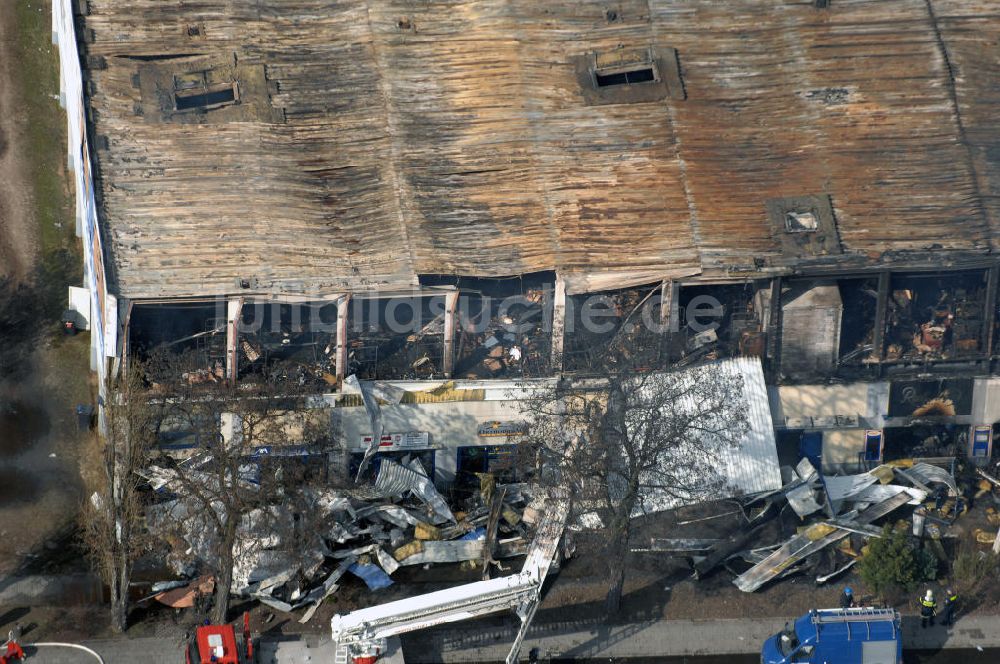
(662, 60)
(649, 64)
(802, 211)
(824, 240)
(202, 89)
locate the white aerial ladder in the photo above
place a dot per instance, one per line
(360, 635)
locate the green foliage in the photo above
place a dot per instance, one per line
(973, 566)
(892, 563)
(926, 563)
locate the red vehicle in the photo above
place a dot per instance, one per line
(12, 652)
(219, 644)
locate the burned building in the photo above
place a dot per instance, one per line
(825, 175)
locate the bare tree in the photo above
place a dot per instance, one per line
(226, 488)
(112, 517)
(634, 442)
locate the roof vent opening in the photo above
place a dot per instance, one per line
(805, 226)
(203, 90)
(624, 67)
(801, 221)
(205, 100)
(628, 77)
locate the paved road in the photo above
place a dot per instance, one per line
(661, 638)
(677, 638)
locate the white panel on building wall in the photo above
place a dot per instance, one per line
(79, 301)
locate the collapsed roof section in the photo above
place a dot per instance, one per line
(748, 468)
(292, 145)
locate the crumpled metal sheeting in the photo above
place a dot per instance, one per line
(806, 471)
(446, 552)
(839, 489)
(396, 480)
(374, 416)
(929, 474)
(879, 492)
(315, 595)
(815, 538)
(802, 499)
(396, 515)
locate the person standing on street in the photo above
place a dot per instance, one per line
(950, 600)
(928, 607)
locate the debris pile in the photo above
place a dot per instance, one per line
(290, 560)
(497, 339)
(928, 325)
(285, 349)
(378, 352)
(835, 517)
(624, 319)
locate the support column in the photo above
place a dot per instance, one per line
(234, 309)
(450, 306)
(670, 305)
(878, 337)
(774, 329)
(990, 311)
(341, 363)
(126, 334)
(558, 324)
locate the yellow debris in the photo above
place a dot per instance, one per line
(818, 531)
(407, 550)
(509, 515)
(984, 537)
(884, 473)
(425, 531)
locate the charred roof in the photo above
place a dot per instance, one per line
(310, 145)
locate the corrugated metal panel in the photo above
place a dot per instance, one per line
(749, 468)
(753, 467)
(396, 138)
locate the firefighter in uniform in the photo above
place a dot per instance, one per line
(949, 608)
(928, 607)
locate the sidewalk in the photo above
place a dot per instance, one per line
(661, 639)
(491, 644)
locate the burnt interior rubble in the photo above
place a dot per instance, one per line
(504, 328)
(285, 342)
(847, 327)
(935, 317)
(179, 337)
(396, 339)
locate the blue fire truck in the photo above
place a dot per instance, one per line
(838, 636)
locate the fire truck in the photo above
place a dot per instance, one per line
(220, 644)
